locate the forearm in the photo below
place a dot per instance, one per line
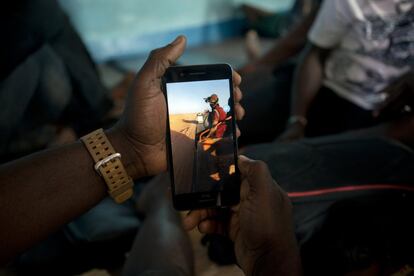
(307, 81)
(43, 191)
(213, 129)
(290, 44)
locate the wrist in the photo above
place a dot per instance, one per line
(121, 145)
(297, 120)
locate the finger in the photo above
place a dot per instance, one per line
(392, 108)
(160, 59)
(244, 164)
(195, 217)
(237, 79)
(257, 176)
(238, 132)
(239, 110)
(212, 227)
(238, 95)
(207, 227)
(244, 189)
(395, 96)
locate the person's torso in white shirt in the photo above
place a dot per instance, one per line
(376, 47)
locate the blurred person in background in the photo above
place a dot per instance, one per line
(51, 94)
(267, 78)
(48, 81)
(360, 56)
(289, 28)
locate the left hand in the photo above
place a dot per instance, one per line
(141, 131)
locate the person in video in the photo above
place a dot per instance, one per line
(214, 147)
(217, 117)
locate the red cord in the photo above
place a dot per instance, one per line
(351, 189)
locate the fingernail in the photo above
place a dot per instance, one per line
(177, 40)
(245, 158)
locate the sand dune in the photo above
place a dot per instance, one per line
(184, 123)
(183, 128)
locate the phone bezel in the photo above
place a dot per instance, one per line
(199, 200)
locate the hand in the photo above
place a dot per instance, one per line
(260, 226)
(293, 132)
(397, 110)
(400, 96)
(212, 131)
(140, 133)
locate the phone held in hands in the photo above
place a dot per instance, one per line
(201, 136)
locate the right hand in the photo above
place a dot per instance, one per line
(293, 132)
(260, 226)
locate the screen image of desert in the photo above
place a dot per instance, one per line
(190, 120)
(200, 164)
(183, 129)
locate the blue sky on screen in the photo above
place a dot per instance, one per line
(187, 97)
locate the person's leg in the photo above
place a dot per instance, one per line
(161, 246)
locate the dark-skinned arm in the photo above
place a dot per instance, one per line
(307, 82)
(43, 191)
(286, 46)
(308, 79)
(290, 44)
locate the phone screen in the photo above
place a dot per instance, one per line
(202, 136)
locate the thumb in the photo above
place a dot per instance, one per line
(160, 59)
(256, 177)
(244, 165)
